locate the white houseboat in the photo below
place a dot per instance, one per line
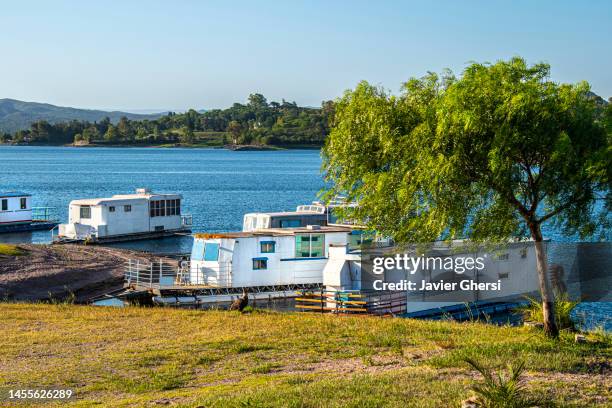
(316, 213)
(272, 257)
(270, 264)
(508, 273)
(17, 214)
(143, 215)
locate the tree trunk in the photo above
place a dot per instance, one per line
(548, 306)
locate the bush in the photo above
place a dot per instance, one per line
(563, 308)
(502, 391)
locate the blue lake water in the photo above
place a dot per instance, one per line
(218, 186)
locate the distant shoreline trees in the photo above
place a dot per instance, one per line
(256, 122)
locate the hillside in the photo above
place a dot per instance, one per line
(18, 115)
(134, 356)
(256, 124)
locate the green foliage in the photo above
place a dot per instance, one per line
(257, 122)
(563, 308)
(18, 115)
(497, 390)
(491, 154)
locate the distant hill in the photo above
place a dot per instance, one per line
(18, 115)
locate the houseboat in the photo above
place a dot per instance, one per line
(128, 217)
(17, 214)
(506, 275)
(270, 263)
(316, 213)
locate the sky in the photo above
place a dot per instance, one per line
(174, 55)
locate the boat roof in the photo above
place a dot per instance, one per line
(14, 194)
(286, 213)
(277, 232)
(122, 197)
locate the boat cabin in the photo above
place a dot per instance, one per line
(309, 214)
(272, 257)
(131, 215)
(15, 207)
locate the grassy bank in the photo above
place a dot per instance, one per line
(141, 356)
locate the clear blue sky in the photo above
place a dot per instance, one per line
(207, 54)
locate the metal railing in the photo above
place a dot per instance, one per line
(153, 274)
(164, 274)
(44, 214)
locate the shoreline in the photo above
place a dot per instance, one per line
(43, 272)
(238, 148)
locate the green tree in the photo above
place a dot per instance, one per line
(91, 134)
(125, 130)
(141, 133)
(491, 155)
(111, 134)
(235, 129)
(187, 136)
(257, 101)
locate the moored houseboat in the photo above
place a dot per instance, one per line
(127, 217)
(269, 263)
(316, 213)
(17, 214)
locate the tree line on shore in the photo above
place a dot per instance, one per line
(257, 122)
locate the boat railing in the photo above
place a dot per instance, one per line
(186, 220)
(165, 274)
(44, 214)
(152, 274)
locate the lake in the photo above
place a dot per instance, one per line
(218, 186)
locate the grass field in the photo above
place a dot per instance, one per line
(161, 356)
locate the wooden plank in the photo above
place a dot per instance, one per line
(345, 302)
(353, 309)
(333, 295)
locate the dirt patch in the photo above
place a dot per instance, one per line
(58, 270)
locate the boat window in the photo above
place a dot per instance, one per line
(127, 208)
(158, 208)
(197, 251)
(267, 247)
(290, 223)
(85, 211)
(260, 263)
(173, 207)
(211, 252)
(111, 209)
(4, 205)
(23, 203)
(359, 238)
(309, 245)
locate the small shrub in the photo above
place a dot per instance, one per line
(602, 335)
(247, 348)
(563, 308)
(497, 390)
(264, 368)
